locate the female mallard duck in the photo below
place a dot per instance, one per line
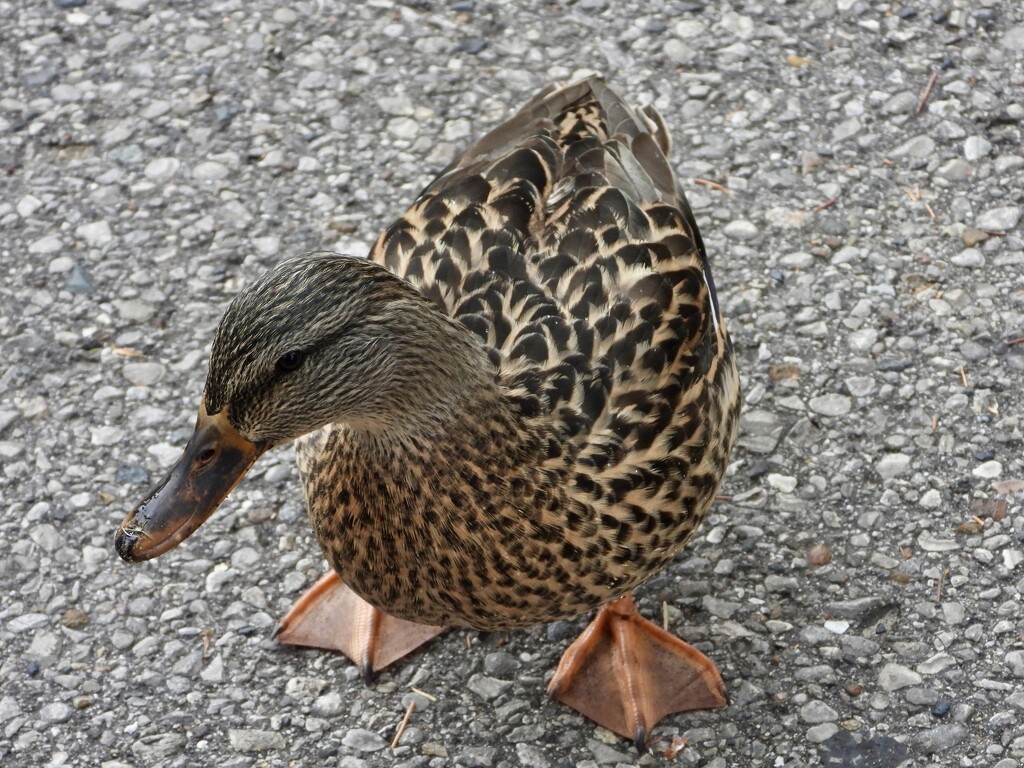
(517, 409)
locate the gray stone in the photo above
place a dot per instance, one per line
(862, 340)
(162, 168)
(45, 245)
(27, 621)
(678, 51)
(737, 24)
(9, 708)
(487, 688)
(1015, 661)
(821, 733)
(988, 470)
(941, 738)
(931, 543)
(159, 746)
(398, 104)
(723, 609)
(935, 664)
(860, 386)
(955, 169)
(976, 147)
(689, 28)
(741, 229)
(136, 311)
(893, 677)
(893, 465)
(197, 43)
(830, 405)
(143, 374)
(921, 697)
(96, 233)
(1013, 39)
(531, 756)
(478, 757)
(214, 671)
(919, 148)
(953, 613)
(854, 609)
(28, 205)
(404, 127)
(501, 664)
(1000, 219)
(329, 705)
(363, 740)
(816, 711)
(56, 712)
(109, 435)
(209, 170)
(253, 740)
(969, 257)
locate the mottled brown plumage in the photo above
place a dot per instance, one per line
(562, 243)
(520, 407)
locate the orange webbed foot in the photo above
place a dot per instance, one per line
(626, 673)
(330, 615)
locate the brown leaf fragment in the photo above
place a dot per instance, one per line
(781, 371)
(993, 508)
(1013, 485)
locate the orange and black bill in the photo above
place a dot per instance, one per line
(215, 459)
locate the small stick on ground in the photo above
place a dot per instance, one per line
(827, 204)
(963, 377)
(713, 185)
(401, 725)
(1015, 342)
(424, 694)
(938, 587)
(664, 615)
(929, 87)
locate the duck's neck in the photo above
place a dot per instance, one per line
(432, 374)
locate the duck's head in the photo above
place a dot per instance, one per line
(320, 339)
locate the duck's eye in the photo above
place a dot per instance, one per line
(290, 361)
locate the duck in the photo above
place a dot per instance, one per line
(516, 409)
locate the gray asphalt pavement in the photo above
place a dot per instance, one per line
(857, 171)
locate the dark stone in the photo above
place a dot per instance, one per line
(472, 47)
(560, 631)
(895, 365)
(847, 750)
(78, 281)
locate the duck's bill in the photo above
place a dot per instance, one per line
(214, 460)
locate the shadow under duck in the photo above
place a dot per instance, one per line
(516, 410)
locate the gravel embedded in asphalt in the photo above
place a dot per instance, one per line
(857, 172)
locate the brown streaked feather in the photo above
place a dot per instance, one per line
(562, 241)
